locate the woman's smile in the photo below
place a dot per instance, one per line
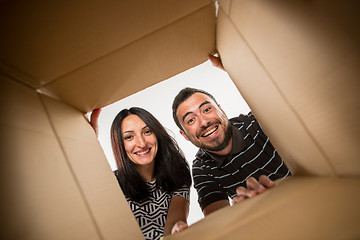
(142, 153)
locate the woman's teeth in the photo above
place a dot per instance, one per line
(143, 153)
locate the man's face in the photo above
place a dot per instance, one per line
(204, 123)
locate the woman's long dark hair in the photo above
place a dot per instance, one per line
(171, 169)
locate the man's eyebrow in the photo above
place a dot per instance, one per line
(202, 104)
(205, 102)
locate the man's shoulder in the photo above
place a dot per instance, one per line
(242, 118)
(200, 158)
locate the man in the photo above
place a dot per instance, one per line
(232, 154)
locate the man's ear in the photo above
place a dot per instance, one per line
(184, 135)
(220, 107)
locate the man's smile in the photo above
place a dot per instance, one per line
(209, 131)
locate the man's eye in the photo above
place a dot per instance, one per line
(208, 109)
(191, 120)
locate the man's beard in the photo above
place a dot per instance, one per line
(220, 145)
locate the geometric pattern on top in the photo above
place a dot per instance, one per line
(151, 214)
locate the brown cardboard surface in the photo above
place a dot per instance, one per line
(40, 198)
(277, 118)
(83, 51)
(311, 66)
(297, 208)
(296, 64)
(96, 180)
(141, 64)
(312, 54)
(64, 36)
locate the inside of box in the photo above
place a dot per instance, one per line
(295, 63)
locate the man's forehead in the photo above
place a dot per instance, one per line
(193, 103)
(201, 97)
(195, 100)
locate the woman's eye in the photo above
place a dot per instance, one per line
(147, 132)
(127, 138)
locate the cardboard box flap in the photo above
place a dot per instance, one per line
(47, 42)
(296, 64)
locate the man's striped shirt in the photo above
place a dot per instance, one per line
(252, 155)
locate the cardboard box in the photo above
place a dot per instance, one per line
(296, 64)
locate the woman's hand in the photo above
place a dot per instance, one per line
(179, 226)
(177, 215)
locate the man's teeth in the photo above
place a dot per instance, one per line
(206, 134)
(142, 153)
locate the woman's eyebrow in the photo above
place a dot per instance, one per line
(132, 131)
(128, 131)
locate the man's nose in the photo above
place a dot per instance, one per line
(203, 121)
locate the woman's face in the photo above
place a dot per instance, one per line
(140, 142)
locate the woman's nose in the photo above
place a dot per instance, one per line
(141, 142)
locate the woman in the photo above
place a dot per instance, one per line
(152, 172)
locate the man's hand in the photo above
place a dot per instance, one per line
(94, 120)
(254, 188)
(216, 61)
(179, 226)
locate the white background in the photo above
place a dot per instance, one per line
(158, 99)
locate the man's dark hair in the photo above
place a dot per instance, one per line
(182, 96)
